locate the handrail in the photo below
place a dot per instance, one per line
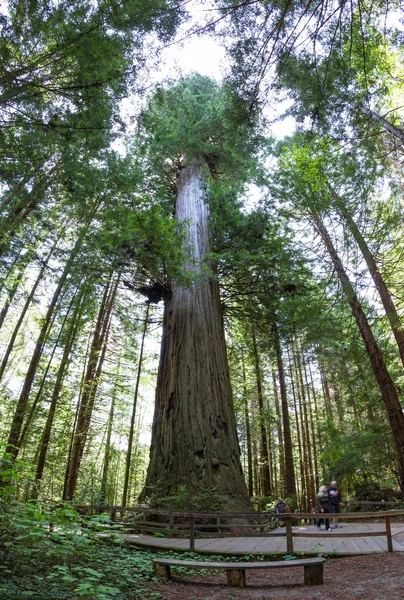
(190, 525)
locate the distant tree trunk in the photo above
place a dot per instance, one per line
(280, 437)
(76, 415)
(385, 296)
(19, 413)
(386, 385)
(311, 491)
(25, 204)
(62, 370)
(38, 394)
(395, 131)
(290, 480)
(94, 368)
(132, 420)
(12, 292)
(314, 434)
(194, 435)
(107, 451)
(326, 390)
(264, 459)
(247, 430)
(17, 326)
(299, 436)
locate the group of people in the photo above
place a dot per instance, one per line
(328, 501)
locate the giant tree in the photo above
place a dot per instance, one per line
(195, 141)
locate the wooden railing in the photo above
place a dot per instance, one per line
(227, 524)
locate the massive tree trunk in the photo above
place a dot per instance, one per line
(386, 385)
(194, 437)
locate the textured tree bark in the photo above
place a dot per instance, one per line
(194, 437)
(290, 480)
(386, 385)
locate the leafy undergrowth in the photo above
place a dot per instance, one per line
(50, 551)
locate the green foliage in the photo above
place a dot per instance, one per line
(193, 119)
(50, 551)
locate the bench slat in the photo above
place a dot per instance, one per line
(276, 564)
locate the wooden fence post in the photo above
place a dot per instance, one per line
(218, 523)
(192, 533)
(388, 533)
(289, 536)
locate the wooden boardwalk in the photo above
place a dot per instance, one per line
(336, 542)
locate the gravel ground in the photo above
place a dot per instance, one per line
(371, 577)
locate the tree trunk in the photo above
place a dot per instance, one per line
(194, 435)
(44, 442)
(290, 480)
(12, 292)
(311, 490)
(132, 420)
(386, 384)
(107, 451)
(264, 459)
(385, 296)
(17, 326)
(247, 431)
(25, 204)
(19, 413)
(94, 367)
(280, 437)
(395, 131)
(299, 437)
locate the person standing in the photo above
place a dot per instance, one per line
(281, 507)
(323, 506)
(335, 500)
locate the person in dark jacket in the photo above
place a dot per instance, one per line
(281, 505)
(323, 506)
(335, 500)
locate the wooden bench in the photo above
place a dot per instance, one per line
(313, 568)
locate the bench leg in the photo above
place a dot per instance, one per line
(162, 571)
(313, 575)
(236, 577)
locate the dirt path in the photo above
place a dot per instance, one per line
(371, 577)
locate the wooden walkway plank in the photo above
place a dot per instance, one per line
(336, 541)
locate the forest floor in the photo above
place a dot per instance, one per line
(371, 577)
